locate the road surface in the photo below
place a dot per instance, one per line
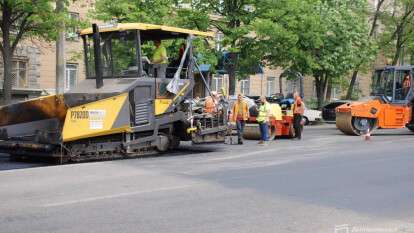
(326, 181)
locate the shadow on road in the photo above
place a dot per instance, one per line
(6, 163)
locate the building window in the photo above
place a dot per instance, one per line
(245, 86)
(71, 30)
(71, 76)
(336, 93)
(292, 86)
(219, 40)
(19, 73)
(314, 90)
(270, 87)
(217, 83)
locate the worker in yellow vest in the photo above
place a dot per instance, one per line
(159, 60)
(263, 120)
(240, 115)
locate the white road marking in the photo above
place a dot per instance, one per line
(98, 198)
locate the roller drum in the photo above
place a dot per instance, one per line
(252, 132)
(353, 125)
(344, 123)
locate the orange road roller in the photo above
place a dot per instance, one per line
(391, 106)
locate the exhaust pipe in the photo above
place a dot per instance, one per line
(97, 54)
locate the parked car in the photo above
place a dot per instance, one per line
(312, 116)
(328, 111)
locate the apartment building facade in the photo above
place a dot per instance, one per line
(34, 62)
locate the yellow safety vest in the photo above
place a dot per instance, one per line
(263, 113)
(159, 53)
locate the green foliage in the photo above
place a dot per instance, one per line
(323, 39)
(31, 18)
(21, 19)
(164, 12)
(154, 11)
(397, 36)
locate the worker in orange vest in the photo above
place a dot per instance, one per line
(406, 83)
(240, 115)
(298, 111)
(210, 106)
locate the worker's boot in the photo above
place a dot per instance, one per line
(240, 141)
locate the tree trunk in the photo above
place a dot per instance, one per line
(329, 91)
(396, 55)
(232, 80)
(352, 84)
(231, 69)
(7, 52)
(60, 52)
(7, 72)
(321, 83)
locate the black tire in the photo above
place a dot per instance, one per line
(362, 125)
(411, 128)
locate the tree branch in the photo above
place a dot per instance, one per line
(12, 20)
(22, 30)
(376, 15)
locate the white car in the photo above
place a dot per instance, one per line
(312, 116)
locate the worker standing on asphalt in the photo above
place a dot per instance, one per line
(240, 116)
(298, 111)
(210, 105)
(263, 120)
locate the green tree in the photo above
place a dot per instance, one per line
(22, 19)
(166, 12)
(367, 53)
(232, 19)
(398, 29)
(322, 39)
(154, 11)
(346, 42)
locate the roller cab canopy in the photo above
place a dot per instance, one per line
(149, 31)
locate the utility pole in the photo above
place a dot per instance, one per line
(60, 51)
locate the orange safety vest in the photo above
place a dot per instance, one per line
(244, 113)
(298, 106)
(209, 105)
